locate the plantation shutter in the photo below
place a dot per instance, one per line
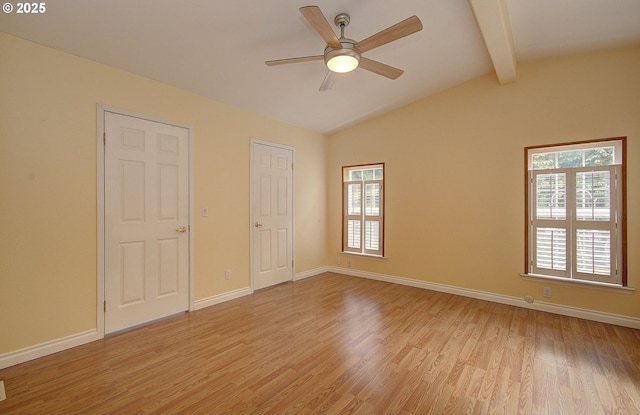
(373, 217)
(549, 222)
(574, 214)
(595, 225)
(353, 217)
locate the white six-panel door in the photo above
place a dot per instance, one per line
(272, 216)
(146, 241)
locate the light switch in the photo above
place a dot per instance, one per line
(205, 211)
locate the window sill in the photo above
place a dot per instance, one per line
(363, 255)
(583, 284)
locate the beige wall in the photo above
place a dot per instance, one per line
(48, 187)
(454, 185)
(455, 176)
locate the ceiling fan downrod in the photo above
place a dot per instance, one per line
(342, 20)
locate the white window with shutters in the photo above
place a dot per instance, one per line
(575, 212)
(363, 209)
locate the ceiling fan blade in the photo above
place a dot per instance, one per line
(395, 32)
(380, 68)
(294, 60)
(320, 24)
(328, 81)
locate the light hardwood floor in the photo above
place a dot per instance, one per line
(334, 344)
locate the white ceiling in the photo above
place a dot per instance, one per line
(217, 48)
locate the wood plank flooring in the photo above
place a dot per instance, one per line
(334, 344)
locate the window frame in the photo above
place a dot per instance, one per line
(362, 216)
(619, 165)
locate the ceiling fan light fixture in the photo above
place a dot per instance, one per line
(344, 59)
(343, 63)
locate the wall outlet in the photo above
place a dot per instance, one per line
(3, 394)
(227, 274)
(349, 264)
(337, 261)
(546, 292)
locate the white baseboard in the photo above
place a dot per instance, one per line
(221, 298)
(47, 348)
(312, 272)
(497, 298)
(58, 345)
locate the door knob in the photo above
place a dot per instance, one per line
(182, 229)
(257, 224)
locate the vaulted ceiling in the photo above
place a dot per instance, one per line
(217, 48)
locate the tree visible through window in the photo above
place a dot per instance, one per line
(363, 208)
(575, 212)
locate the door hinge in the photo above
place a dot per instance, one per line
(291, 166)
(105, 306)
(292, 264)
(104, 138)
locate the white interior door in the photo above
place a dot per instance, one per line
(146, 241)
(272, 216)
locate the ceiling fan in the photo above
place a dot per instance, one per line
(344, 55)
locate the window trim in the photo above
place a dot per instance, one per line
(622, 220)
(579, 283)
(363, 252)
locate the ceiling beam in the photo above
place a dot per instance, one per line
(492, 17)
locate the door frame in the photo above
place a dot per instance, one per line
(101, 109)
(253, 143)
